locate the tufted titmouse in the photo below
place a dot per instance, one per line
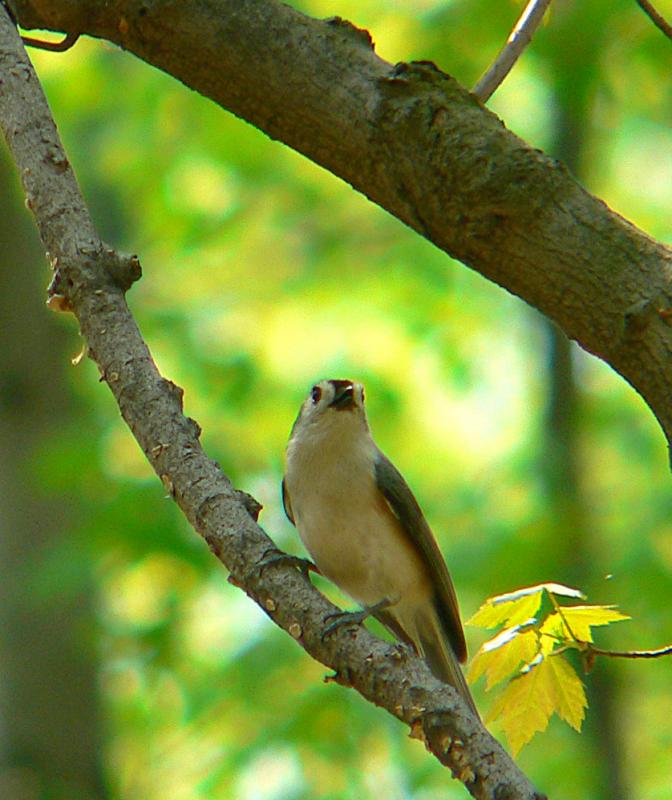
(365, 531)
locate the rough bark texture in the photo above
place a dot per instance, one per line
(418, 144)
(92, 279)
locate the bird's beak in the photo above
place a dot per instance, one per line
(344, 395)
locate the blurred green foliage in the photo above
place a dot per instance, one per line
(263, 273)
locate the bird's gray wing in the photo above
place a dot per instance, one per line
(286, 504)
(405, 508)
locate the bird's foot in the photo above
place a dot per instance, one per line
(341, 618)
(274, 556)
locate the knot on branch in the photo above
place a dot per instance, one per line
(252, 506)
(124, 269)
(358, 35)
(58, 291)
(639, 316)
(174, 392)
(404, 72)
(194, 428)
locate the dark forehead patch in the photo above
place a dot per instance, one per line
(340, 385)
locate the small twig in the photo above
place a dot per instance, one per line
(53, 47)
(659, 21)
(518, 40)
(41, 44)
(589, 652)
(588, 649)
(565, 647)
(662, 651)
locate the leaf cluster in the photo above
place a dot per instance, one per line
(530, 654)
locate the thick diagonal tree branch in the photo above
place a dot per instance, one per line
(92, 279)
(419, 145)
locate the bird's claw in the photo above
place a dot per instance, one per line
(274, 556)
(341, 618)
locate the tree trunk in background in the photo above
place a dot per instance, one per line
(565, 479)
(49, 722)
(571, 554)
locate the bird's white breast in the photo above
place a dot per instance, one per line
(344, 519)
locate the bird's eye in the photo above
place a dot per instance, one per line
(315, 394)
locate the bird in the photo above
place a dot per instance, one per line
(366, 532)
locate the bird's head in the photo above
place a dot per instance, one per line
(332, 408)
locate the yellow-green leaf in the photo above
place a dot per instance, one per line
(499, 661)
(580, 619)
(568, 692)
(525, 706)
(511, 612)
(515, 608)
(552, 588)
(563, 591)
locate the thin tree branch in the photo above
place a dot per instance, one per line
(589, 650)
(659, 21)
(519, 38)
(659, 653)
(92, 280)
(41, 44)
(66, 43)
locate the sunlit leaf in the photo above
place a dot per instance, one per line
(500, 658)
(506, 636)
(514, 608)
(576, 621)
(528, 702)
(512, 612)
(525, 706)
(567, 690)
(553, 588)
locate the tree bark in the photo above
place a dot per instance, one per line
(414, 141)
(90, 279)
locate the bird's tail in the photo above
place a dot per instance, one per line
(435, 648)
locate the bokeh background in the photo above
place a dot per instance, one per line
(129, 668)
